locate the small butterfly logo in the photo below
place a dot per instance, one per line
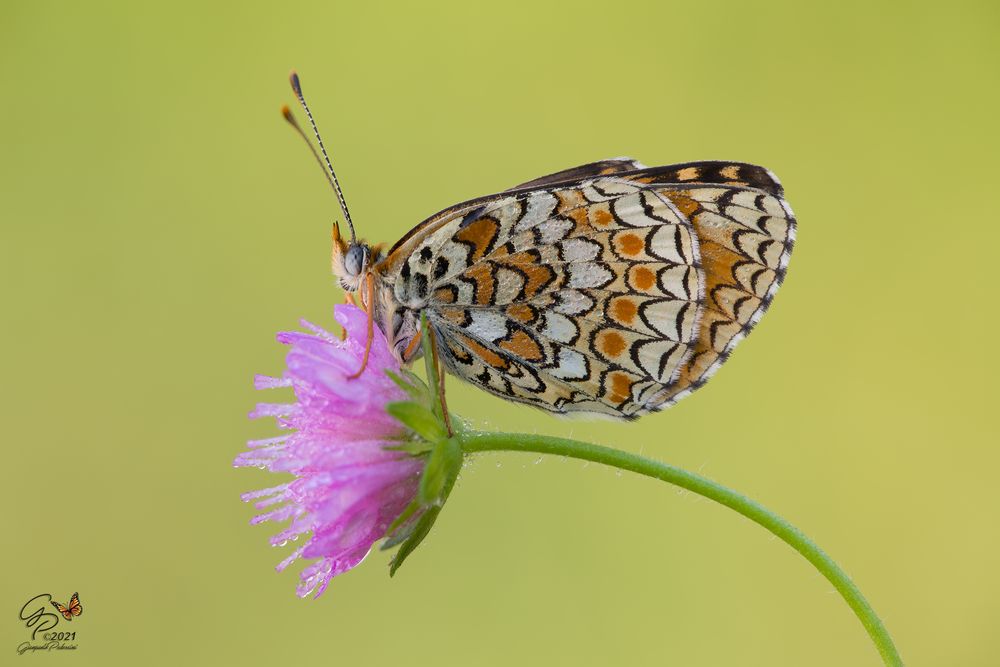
(74, 608)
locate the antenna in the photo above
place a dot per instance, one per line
(331, 175)
(287, 113)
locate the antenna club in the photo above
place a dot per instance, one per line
(287, 113)
(293, 78)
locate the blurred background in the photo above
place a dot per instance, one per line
(160, 223)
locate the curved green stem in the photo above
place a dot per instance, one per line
(472, 441)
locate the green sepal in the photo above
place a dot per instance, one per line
(420, 530)
(413, 391)
(429, 368)
(440, 472)
(398, 530)
(414, 447)
(424, 417)
(416, 380)
(419, 419)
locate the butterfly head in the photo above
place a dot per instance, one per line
(351, 260)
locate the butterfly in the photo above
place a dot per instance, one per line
(74, 608)
(611, 288)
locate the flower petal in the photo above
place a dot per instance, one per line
(349, 483)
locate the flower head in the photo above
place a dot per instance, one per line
(352, 480)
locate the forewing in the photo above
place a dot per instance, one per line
(734, 174)
(74, 605)
(579, 298)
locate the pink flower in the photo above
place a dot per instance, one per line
(349, 486)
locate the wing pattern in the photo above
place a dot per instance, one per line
(746, 238)
(617, 294)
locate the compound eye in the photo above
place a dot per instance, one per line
(355, 260)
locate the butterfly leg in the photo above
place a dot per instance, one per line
(439, 371)
(348, 298)
(367, 301)
(411, 348)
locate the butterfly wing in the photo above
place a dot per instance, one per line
(746, 236)
(618, 165)
(520, 300)
(66, 613)
(75, 607)
(734, 174)
(577, 298)
(746, 232)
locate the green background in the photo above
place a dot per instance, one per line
(160, 224)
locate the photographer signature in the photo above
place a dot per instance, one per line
(39, 619)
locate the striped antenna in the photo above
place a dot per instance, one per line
(331, 175)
